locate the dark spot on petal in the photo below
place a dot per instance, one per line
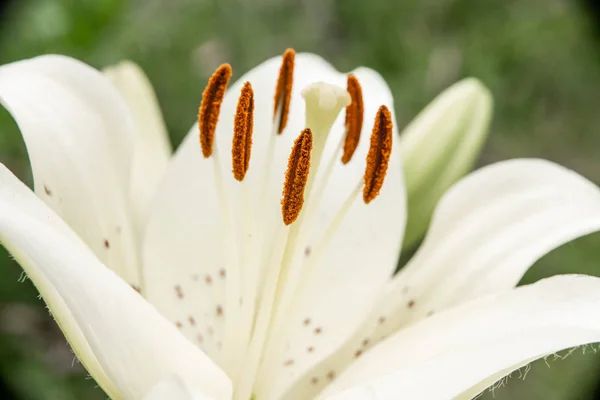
(219, 311)
(47, 191)
(136, 288)
(192, 320)
(306, 322)
(381, 320)
(411, 303)
(307, 251)
(106, 244)
(222, 273)
(365, 342)
(179, 324)
(318, 330)
(331, 375)
(178, 291)
(314, 380)
(208, 279)
(288, 363)
(358, 353)
(310, 349)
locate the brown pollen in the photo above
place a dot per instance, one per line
(379, 154)
(210, 107)
(296, 177)
(179, 292)
(283, 90)
(354, 118)
(242, 132)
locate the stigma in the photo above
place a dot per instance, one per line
(324, 101)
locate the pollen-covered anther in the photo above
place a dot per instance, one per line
(283, 90)
(242, 132)
(354, 118)
(210, 107)
(379, 154)
(296, 177)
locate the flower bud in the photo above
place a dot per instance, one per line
(440, 146)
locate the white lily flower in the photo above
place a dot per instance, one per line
(205, 287)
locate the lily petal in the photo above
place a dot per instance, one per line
(151, 147)
(119, 325)
(78, 133)
(13, 191)
(468, 348)
(486, 232)
(172, 388)
(185, 223)
(492, 226)
(342, 276)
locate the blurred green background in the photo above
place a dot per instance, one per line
(540, 58)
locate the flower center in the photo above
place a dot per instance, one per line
(263, 274)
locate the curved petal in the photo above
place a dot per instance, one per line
(172, 388)
(151, 146)
(13, 191)
(342, 275)
(470, 347)
(486, 232)
(493, 225)
(132, 342)
(78, 134)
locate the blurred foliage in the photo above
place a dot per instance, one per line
(540, 58)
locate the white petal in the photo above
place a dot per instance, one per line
(151, 147)
(133, 343)
(185, 226)
(464, 350)
(347, 273)
(15, 192)
(78, 134)
(492, 226)
(487, 231)
(172, 388)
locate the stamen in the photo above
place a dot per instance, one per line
(324, 102)
(354, 118)
(296, 177)
(208, 115)
(283, 91)
(242, 132)
(379, 154)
